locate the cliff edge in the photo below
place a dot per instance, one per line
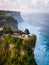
(10, 18)
(15, 14)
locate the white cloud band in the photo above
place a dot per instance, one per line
(25, 5)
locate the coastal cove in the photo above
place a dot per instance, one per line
(38, 24)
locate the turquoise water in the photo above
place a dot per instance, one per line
(38, 24)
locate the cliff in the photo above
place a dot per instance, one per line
(8, 21)
(18, 51)
(10, 18)
(15, 14)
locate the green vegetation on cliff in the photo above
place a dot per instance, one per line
(7, 18)
(17, 51)
(3, 12)
(8, 21)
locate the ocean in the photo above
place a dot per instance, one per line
(38, 24)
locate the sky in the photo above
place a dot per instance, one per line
(25, 6)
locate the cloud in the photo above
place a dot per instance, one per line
(9, 4)
(25, 5)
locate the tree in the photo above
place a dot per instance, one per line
(7, 29)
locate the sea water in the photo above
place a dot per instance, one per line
(38, 24)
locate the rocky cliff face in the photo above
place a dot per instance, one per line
(8, 21)
(15, 15)
(10, 18)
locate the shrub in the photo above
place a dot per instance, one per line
(7, 29)
(15, 31)
(16, 51)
